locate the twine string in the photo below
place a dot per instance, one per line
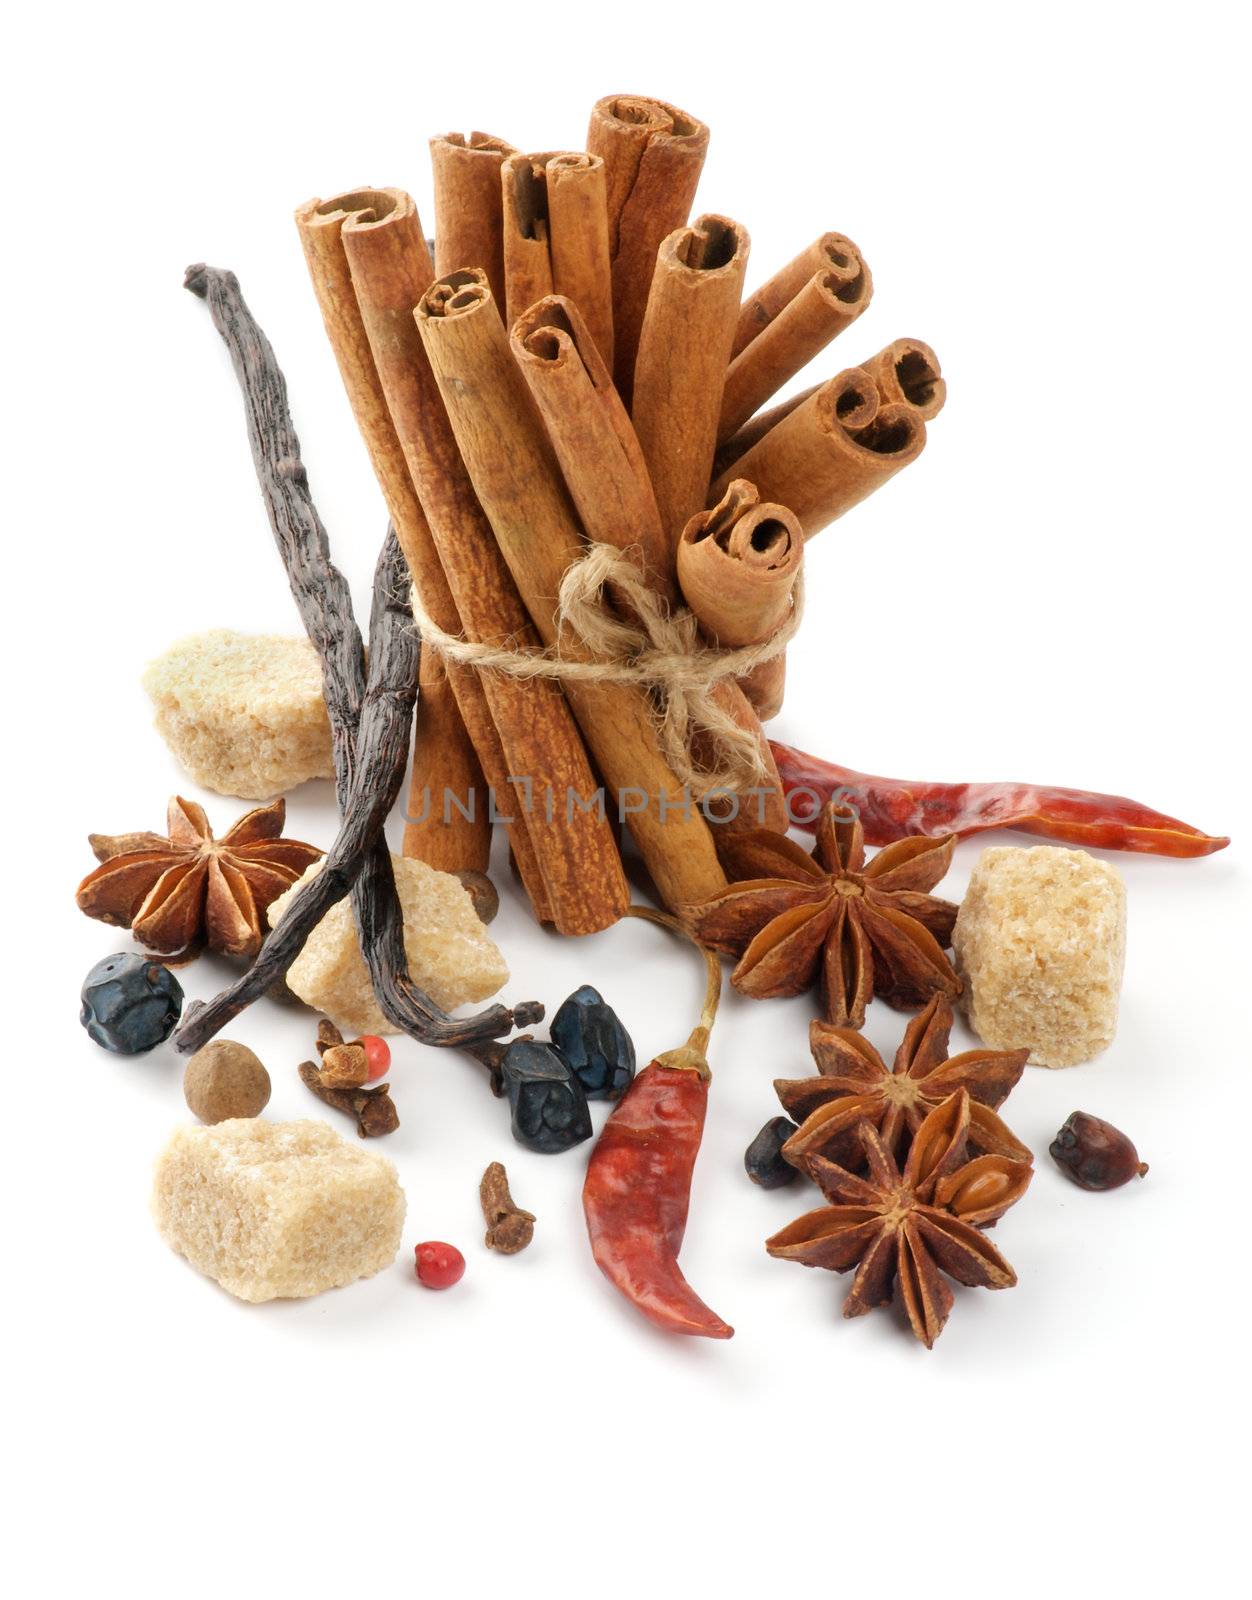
(656, 649)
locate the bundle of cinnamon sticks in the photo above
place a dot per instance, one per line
(578, 370)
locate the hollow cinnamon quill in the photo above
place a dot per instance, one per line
(445, 836)
(518, 485)
(573, 844)
(737, 567)
(784, 324)
(905, 372)
(832, 451)
(469, 211)
(607, 478)
(684, 348)
(320, 225)
(556, 237)
(653, 155)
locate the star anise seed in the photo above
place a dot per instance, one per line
(854, 1085)
(862, 929)
(180, 893)
(910, 1226)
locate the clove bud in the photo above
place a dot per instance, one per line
(509, 1228)
(373, 1109)
(1094, 1154)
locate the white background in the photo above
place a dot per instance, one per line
(1053, 198)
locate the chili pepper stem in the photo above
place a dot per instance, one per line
(690, 1057)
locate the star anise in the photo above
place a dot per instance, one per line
(855, 1085)
(863, 929)
(187, 890)
(910, 1226)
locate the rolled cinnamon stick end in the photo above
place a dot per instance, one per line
(653, 154)
(469, 207)
(738, 564)
(907, 373)
(684, 348)
(784, 324)
(556, 237)
(832, 451)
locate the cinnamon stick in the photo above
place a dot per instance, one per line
(445, 764)
(906, 372)
(684, 348)
(831, 452)
(596, 446)
(585, 884)
(469, 214)
(320, 224)
(518, 485)
(784, 324)
(526, 234)
(738, 565)
(605, 473)
(653, 155)
(556, 237)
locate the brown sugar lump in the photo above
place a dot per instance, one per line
(451, 957)
(277, 1210)
(243, 713)
(1040, 943)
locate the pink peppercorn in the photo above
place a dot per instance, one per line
(439, 1265)
(377, 1056)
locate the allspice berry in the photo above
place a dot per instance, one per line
(224, 1080)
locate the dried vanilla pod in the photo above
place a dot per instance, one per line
(509, 1228)
(369, 718)
(1094, 1154)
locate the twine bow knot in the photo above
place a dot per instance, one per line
(650, 645)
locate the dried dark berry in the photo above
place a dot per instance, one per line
(1095, 1154)
(590, 1036)
(131, 1004)
(549, 1107)
(763, 1160)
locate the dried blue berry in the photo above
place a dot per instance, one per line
(131, 1004)
(764, 1161)
(590, 1036)
(549, 1107)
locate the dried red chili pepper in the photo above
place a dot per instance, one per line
(898, 808)
(638, 1184)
